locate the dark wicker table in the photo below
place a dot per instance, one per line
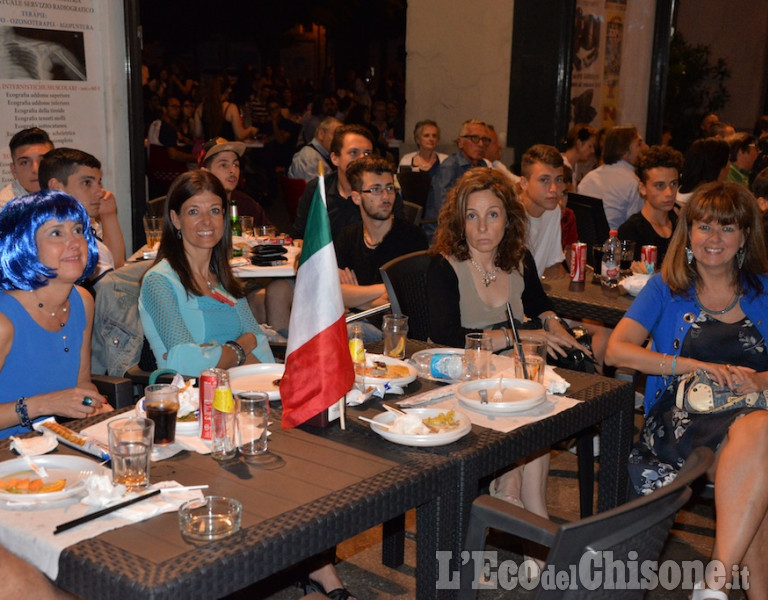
(330, 488)
(606, 403)
(586, 300)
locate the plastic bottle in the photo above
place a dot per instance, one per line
(357, 347)
(609, 270)
(223, 418)
(440, 366)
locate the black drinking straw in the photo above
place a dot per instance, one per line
(518, 345)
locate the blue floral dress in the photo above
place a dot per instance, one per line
(671, 434)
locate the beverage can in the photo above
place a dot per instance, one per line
(649, 255)
(209, 381)
(578, 261)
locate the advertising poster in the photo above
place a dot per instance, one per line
(51, 74)
(596, 69)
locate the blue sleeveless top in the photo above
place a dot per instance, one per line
(40, 361)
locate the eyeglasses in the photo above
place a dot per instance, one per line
(477, 139)
(379, 190)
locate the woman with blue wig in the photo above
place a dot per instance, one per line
(46, 248)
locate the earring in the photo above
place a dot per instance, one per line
(689, 256)
(741, 255)
(178, 234)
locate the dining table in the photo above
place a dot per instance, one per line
(330, 485)
(587, 300)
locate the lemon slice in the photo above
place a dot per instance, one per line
(397, 351)
(357, 350)
(223, 401)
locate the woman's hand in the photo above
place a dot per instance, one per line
(558, 340)
(741, 380)
(72, 402)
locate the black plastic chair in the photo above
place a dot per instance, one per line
(405, 279)
(640, 527)
(414, 186)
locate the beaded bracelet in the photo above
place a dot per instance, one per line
(663, 365)
(238, 350)
(674, 365)
(22, 413)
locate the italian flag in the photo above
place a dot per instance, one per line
(318, 366)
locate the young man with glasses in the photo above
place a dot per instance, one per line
(380, 236)
(474, 138)
(163, 132)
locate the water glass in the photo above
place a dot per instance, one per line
(246, 225)
(627, 256)
(395, 330)
(252, 423)
(161, 403)
(130, 447)
(535, 355)
(153, 230)
(477, 352)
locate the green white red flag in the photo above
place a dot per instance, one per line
(318, 366)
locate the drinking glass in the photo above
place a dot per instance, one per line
(597, 262)
(153, 229)
(161, 403)
(627, 256)
(246, 225)
(130, 447)
(535, 355)
(395, 330)
(477, 352)
(252, 423)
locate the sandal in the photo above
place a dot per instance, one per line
(310, 585)
(506, 497)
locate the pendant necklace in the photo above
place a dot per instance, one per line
(368, 240)
(64, 309)
(717, 312)
(488, 276)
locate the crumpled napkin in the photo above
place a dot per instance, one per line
(189, 395)
(554, 383)
(357, 395)
(102, 493)
(34, 446)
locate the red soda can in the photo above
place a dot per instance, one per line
(649, 255)
(578, 261)
(209, 380)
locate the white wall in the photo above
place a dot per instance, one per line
(116, 164)
(457, 64)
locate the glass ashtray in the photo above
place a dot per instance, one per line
(210, 518)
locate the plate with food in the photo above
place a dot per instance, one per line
(422, 426)
(263, 377)
(381, 369)
(440, 364)
(505, 395)
(64, 477)
(187, 422)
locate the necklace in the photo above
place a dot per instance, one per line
(369, 241)
(63, 308)
(709, 311)
(488, 276)
(224, 298)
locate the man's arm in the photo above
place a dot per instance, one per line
(110, 226)
(363, 297)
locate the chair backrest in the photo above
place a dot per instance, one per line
(292, 189)
(640, 527)
(405, 279)
(590, 218)
(412, 212)
(414, 186)
(156, 207)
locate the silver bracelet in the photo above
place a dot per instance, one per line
(546, 320)
(506, 337)
(238, 350)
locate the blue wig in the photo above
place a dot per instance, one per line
(20, 268)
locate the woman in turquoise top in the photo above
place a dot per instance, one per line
(193, 309)
(46, 247)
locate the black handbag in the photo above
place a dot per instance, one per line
(575, 359)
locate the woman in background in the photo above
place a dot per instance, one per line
(426, 134)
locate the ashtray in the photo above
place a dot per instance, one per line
(210, 518)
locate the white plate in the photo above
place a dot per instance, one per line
(498, 363)
(635, 283)
(257, 378)
(58, 467)
(398, 381)
(430, 439)
(524, 394)
(182, 427)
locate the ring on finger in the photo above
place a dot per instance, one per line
(87, 401)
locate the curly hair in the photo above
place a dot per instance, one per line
(655, 157)
(20, 267)
(184, 187)
(726, 204)
(450, 238)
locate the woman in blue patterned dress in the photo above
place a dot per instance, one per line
(707, 314)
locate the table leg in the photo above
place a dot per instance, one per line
(393, 542)
(615, 442)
